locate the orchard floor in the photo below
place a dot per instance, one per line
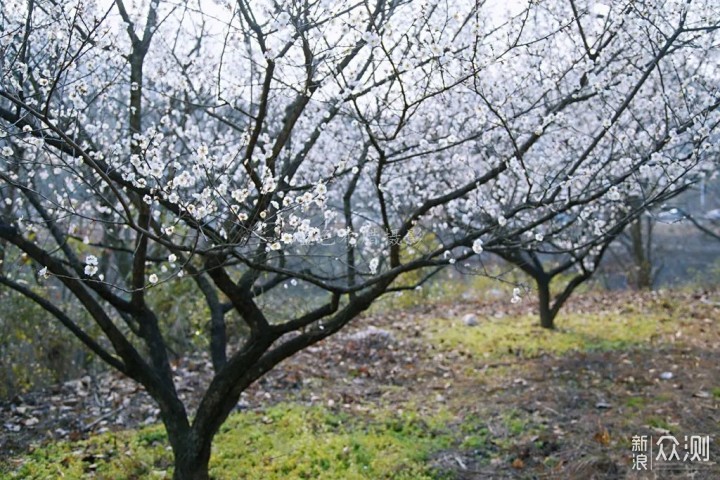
(414, 392)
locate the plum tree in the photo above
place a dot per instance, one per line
(250, 146)
(659, 164)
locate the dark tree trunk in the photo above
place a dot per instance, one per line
(640, 247)
(547, 313)
(192, 458)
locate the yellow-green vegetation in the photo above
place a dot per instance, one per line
(494, 282)
(635, 402)
(451, 287)
(658, 422)
(280, 442)
(495, 338)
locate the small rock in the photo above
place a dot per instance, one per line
(371, 332)
(29, 422)
(666, 375)
(603, 405)
(13, 427)
(470, 320)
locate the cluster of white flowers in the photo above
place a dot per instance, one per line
(206, 167)
(373, 265)
(477, 246)
(516, 295)
(91, 265)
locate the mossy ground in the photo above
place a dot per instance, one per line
(280, 442)
(504, 399)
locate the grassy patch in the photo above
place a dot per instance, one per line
(450, 287)
(515, 423)
(522, 336)
(131, 454)
(298, 442)
(635, 402)
(284, 441)
(658, 422)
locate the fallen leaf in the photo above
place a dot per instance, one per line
(602, 437)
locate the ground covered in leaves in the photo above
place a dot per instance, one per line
(454, 390)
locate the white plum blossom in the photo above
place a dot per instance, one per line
(516, 295)
(373, 265)
(477, 246)
(153, 278)
(91, 265)
(320, 189)
(269, 184)
(240, 195)
(203, 151)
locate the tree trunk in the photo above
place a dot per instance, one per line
(547, 316)
(192, 459)
(641, 254)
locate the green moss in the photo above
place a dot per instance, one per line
(290, 441)
(716, 392)
(108, 456)
(284, 441)
(523, 337)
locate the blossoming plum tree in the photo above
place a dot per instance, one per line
(244, 146)
(657, 159)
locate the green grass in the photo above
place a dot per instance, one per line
(522, 336)
(657, 422)
(280, 442)
(635, 402)
(515, 423)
